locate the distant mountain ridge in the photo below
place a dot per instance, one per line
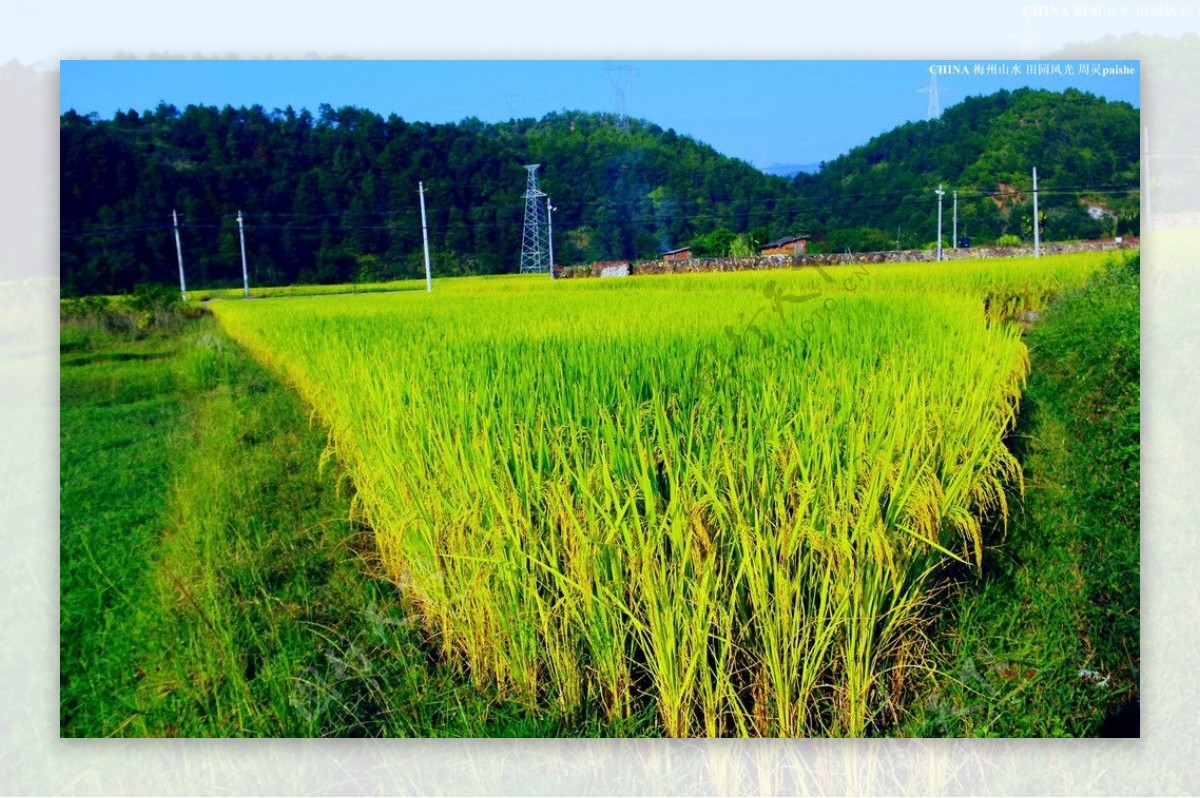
(791, 169)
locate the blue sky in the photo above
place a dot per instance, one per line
(764, 112)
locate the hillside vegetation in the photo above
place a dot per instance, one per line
(331, 197)
(1086, 151)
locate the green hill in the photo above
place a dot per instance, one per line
(333, 197)
(1086, 151)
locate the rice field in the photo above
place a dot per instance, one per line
(726, 497)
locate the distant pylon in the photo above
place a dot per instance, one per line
(619, 84)
(934, 110)
(510, 101)
(534, 250)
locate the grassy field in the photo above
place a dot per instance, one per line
(726, 497)
(777, 503)
(117, 405)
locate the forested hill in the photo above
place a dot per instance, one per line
(332, 196)
(1086, 151)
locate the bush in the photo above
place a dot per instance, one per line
(1008, 240)
(149, 309)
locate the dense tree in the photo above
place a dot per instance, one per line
(332, 197)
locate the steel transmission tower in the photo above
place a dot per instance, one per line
(619, 76)
(934, 110)
(535, 256)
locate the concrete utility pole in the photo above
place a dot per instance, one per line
(179, 254)
(1037, 233)
(425, 237)
(939, 192)
(954, 244)
(245, 273)
(550, 235)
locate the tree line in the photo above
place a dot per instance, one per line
(332, 196)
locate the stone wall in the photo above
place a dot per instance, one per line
(833, 259)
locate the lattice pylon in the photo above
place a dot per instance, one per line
(934, 109)
(535, 255)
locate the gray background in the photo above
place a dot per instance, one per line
(35, 760)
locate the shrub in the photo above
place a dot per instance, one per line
(149, 309)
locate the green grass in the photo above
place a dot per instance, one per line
(213, 582)
(1046, 642)
(119, 405)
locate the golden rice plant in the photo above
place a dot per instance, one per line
(719, 495)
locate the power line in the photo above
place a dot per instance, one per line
(202, 222)
(827, 204)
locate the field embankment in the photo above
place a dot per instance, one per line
(861, 258)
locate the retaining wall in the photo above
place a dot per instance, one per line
(834, 259)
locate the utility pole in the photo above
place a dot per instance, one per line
(550, 235)
(245, 273)
(939, 192)
(179, 254)
(1037, 233)
(954, 243)
(425, 237)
